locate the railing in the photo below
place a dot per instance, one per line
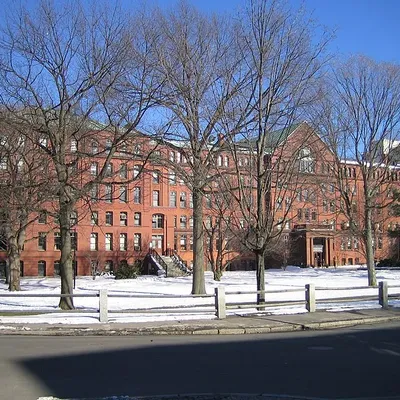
(179, 263)
(153, 253)
(220, 305)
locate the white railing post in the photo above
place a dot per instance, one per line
(220, 303)
(103, 307)
(383, 294)
(310, 297)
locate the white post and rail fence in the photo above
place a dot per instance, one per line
(217, 303)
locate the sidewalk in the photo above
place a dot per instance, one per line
(236, 325)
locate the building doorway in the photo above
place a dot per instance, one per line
(157, 242)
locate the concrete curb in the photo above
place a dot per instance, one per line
(187, 329)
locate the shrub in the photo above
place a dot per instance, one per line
(388, 263)
(128, 271)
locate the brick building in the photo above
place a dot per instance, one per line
(153, 210)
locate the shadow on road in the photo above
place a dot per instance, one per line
(354, 363)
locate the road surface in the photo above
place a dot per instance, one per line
(357, 362)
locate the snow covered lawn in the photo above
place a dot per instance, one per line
(277, 281)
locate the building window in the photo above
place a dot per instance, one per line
(156, 177)
(191, 243)
(175, 222)
(137, 219)
(182, 200)
(226, 161)
(123, 194)
(108, 241)
(190, 200)
(314, 215)
(219, 161)
(41, 268)
(42, 219)
(380, 242)
(94, 241)
(123, 171)
(172, 156)
(299, 214)
(156, 198)
(307, 214)
(208, 222)
(306, 161)
(94, 193)
(137, 195)
(123, 241)
(137, 150)
(108, 144)
(42, 241)
(74, 240)
(172, 178)
(332, 206)
(109, 217)
(183, 242)
(137, 241)
(190, 222)
(94, 147)
(183, 222)
(172, 199)
(123, 218)
(324, 205)
(136, 171)
(158, 221)
(94, 169)
(56, 267)
(109, 266)
(109, 170)
(94, 219)
(74, 146)
(108, 193)
(57, 241)
(279, 203)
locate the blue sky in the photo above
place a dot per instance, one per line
(369, 27)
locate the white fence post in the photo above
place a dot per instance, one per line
(103, 307)
(383, 294)
(220, 303)
(310, 297)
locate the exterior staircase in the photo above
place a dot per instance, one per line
(175, 267)
(170, 266)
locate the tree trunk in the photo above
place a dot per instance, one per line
(66, 267)
(198, 284)
(369, 247)
(14, 265)
(260, 261)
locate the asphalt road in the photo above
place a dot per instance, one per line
(357, 362)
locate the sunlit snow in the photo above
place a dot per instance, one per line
(244, 281)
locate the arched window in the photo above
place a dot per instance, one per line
(306, 161)
(158, 221)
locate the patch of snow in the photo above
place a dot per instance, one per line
(277, 280)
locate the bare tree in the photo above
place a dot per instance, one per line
(62, 68)
(281, 51)
(360, 118)
(202, 76)
(24, 190)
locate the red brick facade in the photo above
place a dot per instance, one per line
(155, 211)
